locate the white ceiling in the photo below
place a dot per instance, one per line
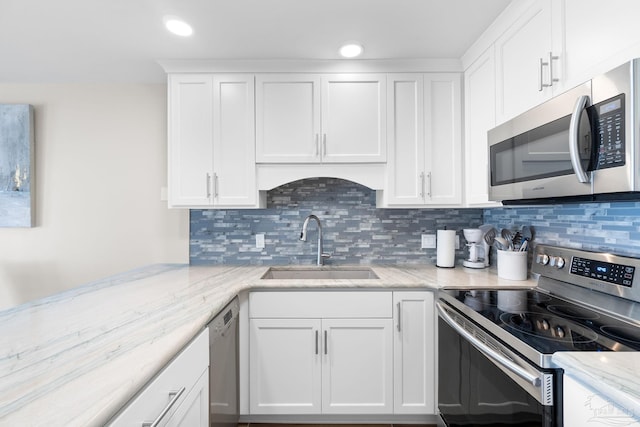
(121, 40)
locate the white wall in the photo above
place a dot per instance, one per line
(100, 166)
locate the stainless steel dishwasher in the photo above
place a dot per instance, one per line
(223, 367)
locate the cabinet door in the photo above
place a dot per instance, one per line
(480, 117)
(287, 118)
(443, 138)
(194, 411)
(357, 368)
(354, 118)
(405, 118)
(234, 179)
(518, 54)
(190, 140)
(594, 49)
(414, 353)
(284, 366)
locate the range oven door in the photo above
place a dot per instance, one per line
(482, 383)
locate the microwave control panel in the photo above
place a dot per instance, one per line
(611, 147)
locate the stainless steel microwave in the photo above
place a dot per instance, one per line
(578, 146)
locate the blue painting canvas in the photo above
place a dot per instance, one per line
(16, 163)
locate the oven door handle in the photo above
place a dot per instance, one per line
(532, 379)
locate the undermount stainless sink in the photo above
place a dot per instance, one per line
(319, 273)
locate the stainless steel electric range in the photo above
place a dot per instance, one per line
(495, 345)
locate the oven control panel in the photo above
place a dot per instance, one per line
(618, 274)
(605, 272)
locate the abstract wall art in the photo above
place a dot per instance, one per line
(16, 165)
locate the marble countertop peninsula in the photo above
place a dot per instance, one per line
(76, 358)
(613, 375)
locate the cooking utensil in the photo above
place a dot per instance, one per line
(502, 244)
(508, 236)
(490, 235)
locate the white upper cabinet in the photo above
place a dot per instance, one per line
(190, 140)
(354, 118)
(212, 141)
(425, 128)
(321, 118)
(598, 36)
(480, 117)
(526, 62)
(406, 162)
(287, 118)
(443, 138)
(234, 141)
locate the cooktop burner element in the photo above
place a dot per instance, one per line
(572, 311)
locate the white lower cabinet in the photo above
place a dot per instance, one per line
(357, 366)
(362, 352)
(336, 361)
(284, 366)
(178, 396)
(414, 387)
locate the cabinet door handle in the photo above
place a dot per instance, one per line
(317, 145)
(540, 82)
(325, 342)
(547, 63)
(215, 185)
(176, 396)
(429, 185)
(399, 318)
(208, 185)
(317, 333)
(324, 144)
(552, 79)
(421, 184)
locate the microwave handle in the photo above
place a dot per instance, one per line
(574, 127)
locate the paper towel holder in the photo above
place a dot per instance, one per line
(445, 248)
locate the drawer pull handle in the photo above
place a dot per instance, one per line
(176, 396)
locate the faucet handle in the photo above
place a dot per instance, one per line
(325, 255)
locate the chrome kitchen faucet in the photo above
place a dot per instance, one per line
(303, 237)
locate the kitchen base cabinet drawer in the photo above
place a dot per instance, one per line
(194, 411)
(319, 304)
(171, 388)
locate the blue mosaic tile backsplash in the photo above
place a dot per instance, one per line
(354, 230)
(606, 227)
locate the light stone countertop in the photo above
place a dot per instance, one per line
(613, 375)
(75, 358)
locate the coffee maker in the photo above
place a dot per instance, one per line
(478, 248)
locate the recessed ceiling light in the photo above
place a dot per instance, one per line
(177, 26)
(351, 50)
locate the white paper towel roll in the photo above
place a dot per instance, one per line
(445, 248)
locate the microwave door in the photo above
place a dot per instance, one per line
(573, 147)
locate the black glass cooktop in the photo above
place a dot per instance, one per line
(547, 323)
